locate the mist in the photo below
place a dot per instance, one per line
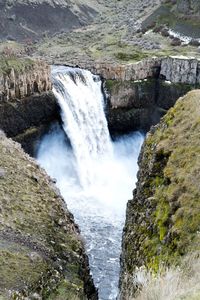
(100, 208)
(95, 175)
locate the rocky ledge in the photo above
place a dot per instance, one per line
(41, 250)
(21, 78)
(163, 218)
(142, 93)
(174, 69)
(27, 104)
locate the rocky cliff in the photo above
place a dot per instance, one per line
(137, 105)
(27, 105)
(153, 86)
(162, 219)
(20, 78)
(173, 68)
(41, 251)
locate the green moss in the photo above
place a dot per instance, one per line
(34, 217)
(162, 217)
(131, 56)
(167, 205)
(18, 64)
(28, 271)
(68, 291)
(111, 84)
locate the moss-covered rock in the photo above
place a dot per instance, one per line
(41, 252)
(18, 64)
(163, 219)
(137, 105)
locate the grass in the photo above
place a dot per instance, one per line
(31, 215)
(163, 219)
(181, 283)
(18, 64)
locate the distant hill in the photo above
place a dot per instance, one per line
(33, 19)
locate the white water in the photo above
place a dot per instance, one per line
(95, 176)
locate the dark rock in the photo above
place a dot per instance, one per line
(176, 42)
(194, 42)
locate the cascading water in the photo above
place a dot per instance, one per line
(94, 174)
(83, 118)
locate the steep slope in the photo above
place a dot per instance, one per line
(163, 218)
(41, 252)
(32, 19)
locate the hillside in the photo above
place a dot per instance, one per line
(41, 252)
(163, 218)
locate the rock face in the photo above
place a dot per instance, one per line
(175, 69)
(139, 105)
(27, 104)
(181, 70)
(162, 219)
(41, 252)
(30, 20)
(147, 68)
(153, 86)
(21, 78)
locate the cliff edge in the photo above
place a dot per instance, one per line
(41, 251)
(163, 218)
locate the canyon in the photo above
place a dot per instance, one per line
(27, 94)
(144, 56)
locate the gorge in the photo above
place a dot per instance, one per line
(94, 173)
(99, 150)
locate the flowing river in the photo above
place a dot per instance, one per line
(95, 175)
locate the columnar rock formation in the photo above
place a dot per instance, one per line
(153, 87)
(181, 70)
(27, 78)
(174, 69)
(27, 104)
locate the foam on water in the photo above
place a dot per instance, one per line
(95, 175)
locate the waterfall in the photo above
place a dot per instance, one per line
(82, 103)
(94, 174)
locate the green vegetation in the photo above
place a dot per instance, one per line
(172, 283)
(131, 56)
(18, 64)
(168, 204)
(74, 292)
(39, 246)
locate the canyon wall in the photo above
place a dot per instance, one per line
(153, 87)
(139, 94)
(162, 219)
(27, 104)
(41, 252)
(22, 78)
(174, 69)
